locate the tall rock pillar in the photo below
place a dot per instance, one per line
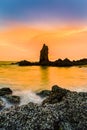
(44, 55)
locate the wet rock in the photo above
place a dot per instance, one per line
(68, 114)
(2, 104)
(5, 91)
(44, 93)
(29, 117)
(65, 126)
(44, 55)
(12, 99)
(58, 89)
(57, 94)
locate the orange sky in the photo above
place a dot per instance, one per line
(19, 42)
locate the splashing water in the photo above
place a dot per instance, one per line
(28, 96)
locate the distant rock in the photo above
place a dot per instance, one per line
(67, 62)
(80, 62)
(24, 63)
(44, 55)
(44, 61)
(63, 63)
(5, 91)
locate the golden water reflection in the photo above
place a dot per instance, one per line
(37, 78)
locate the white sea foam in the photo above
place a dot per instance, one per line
(28, 96)
(6, 103)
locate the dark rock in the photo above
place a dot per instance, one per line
(12, 99)
(44, 93)
(57, 94)
(67, 62)
(5, 91)
(66, 126)
(58, 89)
(63, 63)
(44, 55)
(24, 63)
(80, 62)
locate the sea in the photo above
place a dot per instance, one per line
(25, 81)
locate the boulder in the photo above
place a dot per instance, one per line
(5, 91)
(58, 89)
(44, 93)
(57, 94)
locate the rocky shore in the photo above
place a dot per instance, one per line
(60, 110)
(6, 95)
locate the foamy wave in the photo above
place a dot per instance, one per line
(28, 96)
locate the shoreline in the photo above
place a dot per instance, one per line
(60, 110)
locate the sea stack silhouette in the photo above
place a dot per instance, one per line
(44, 55)
(44, 60)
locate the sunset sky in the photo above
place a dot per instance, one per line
(25, 25)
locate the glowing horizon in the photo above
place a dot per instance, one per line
(26, 25)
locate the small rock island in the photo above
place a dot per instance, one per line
(44, 55)
(44, 60)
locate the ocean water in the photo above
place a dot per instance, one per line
(25, 81)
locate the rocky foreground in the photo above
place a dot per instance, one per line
(60, 110)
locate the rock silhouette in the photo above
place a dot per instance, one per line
(44, 60)
(44, 55)
(24, 63)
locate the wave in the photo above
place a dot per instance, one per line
(28, 96)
